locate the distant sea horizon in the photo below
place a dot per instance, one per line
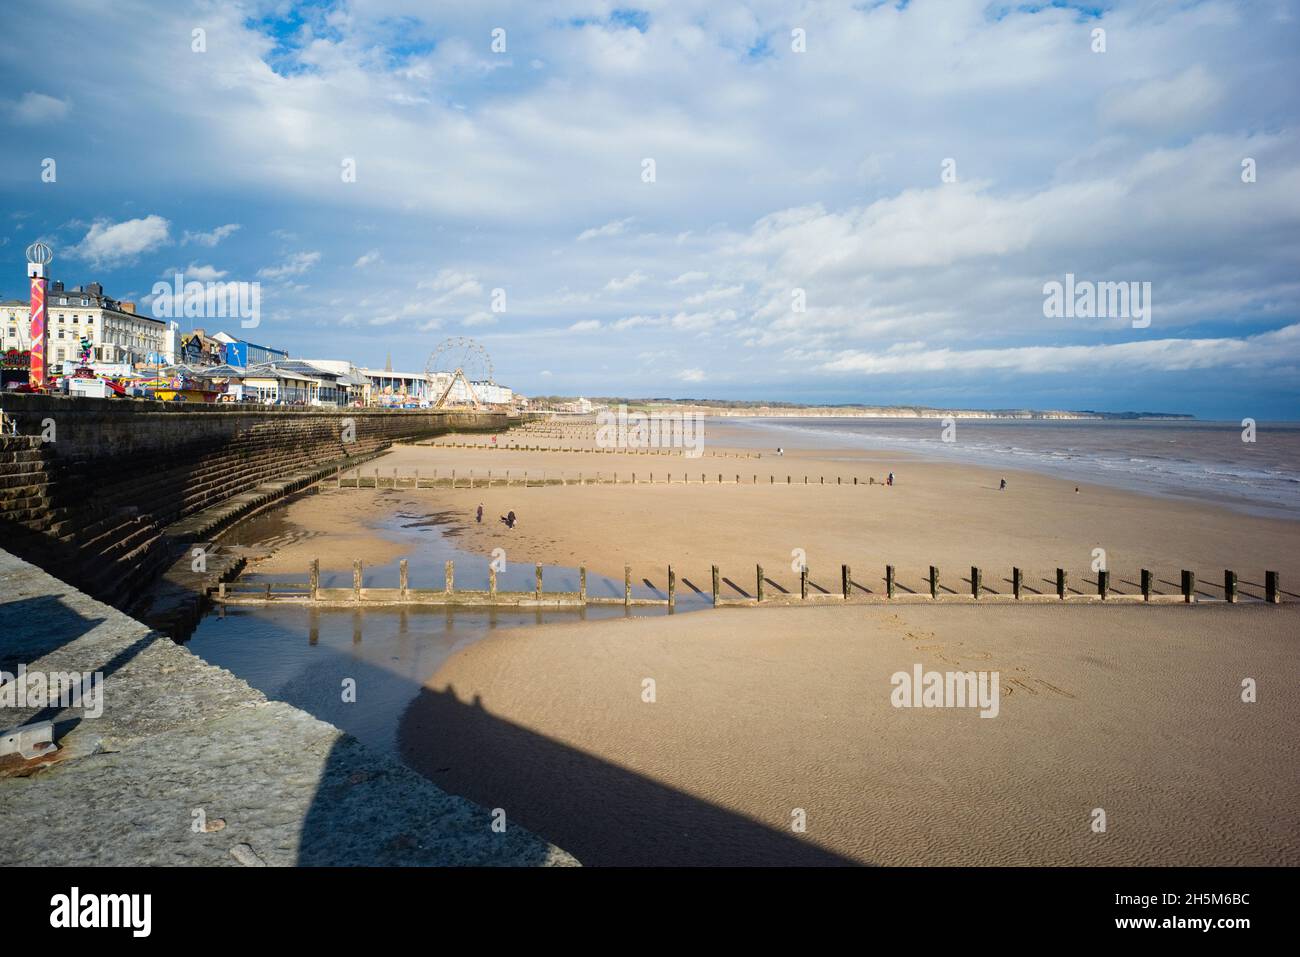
(1196, 459)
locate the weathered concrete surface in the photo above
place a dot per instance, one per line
(179, 735)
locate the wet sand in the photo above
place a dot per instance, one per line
(952, 516)
(1136, 711)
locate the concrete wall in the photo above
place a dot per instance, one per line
(89, 487)
(106, 428)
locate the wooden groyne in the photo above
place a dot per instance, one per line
(971, 589)
(467, 478)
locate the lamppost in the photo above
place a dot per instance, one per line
(39, 256)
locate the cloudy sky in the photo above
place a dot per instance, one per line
(820, 202)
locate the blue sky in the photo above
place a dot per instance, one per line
(777, 169)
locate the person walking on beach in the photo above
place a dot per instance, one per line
(510, 519)
(1003, 485)
(478, 516)
(890, 480)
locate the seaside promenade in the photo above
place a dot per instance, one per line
(188, 764)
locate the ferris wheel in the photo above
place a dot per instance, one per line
(454, 365)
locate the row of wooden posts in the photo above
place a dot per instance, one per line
(595, 450)
(414, 481)
(404, 594)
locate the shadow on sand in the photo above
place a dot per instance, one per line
(602, 814)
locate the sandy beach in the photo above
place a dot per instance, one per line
(952, 516)
(759, 712)
(1136, 711)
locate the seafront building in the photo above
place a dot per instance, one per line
(138, 355)
(241, 352)
(115, 331)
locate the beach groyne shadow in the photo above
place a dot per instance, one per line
(603, 814)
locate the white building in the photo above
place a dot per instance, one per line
(115, 331)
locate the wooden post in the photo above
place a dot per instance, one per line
(1017, 581)
(975, 581)
(338, 478)
(759, 570)
(1103, 583)
(889, 581)
(417, 479)
(846, 581)
(1146, 584)
(716, 586)
(404, 579)
(492, 580)
(1230, 586)
(934, 581)
(803, 582)
(313, 578)
(268, 591)
(1061, 579)
(356, 579)
(1189, 586)
(672, 588)
(221, 590)
(450, 573)
(582, 583)
(1272, 588)
(539, 580)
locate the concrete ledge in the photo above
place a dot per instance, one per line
(177, 735)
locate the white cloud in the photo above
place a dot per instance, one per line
(451, 284)
(632, 322)
(687, 277)
(1165, 102)
(111, 244)
(615, 228)
(366, 259)
(714, 294)
(691, 375)
(33, 108)
(210, 238)
(630, 281)
(585, 325)
(479, 319)
(195, 272)
(1259, 351)
(295, 265)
